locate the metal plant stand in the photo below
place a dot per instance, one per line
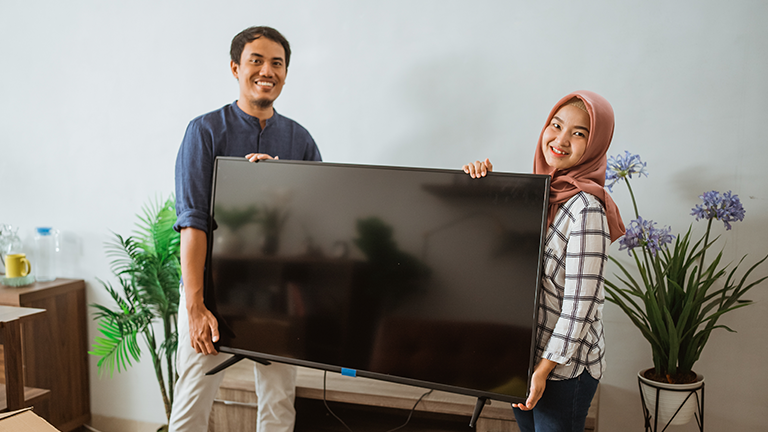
(698, 415)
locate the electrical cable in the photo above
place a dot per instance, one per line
(410, 414)
(325, 401)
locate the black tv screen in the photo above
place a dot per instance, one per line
(418, 276)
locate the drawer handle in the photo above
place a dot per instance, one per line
(233, 403)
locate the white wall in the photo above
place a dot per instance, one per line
(95, 96)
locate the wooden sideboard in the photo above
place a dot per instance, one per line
(55, 349)
(235, 407)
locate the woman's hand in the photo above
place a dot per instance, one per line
(538, 384)
(255, 157)
(478, 169)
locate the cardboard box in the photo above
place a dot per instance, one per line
(24, 420)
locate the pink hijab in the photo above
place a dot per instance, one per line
(589, 174)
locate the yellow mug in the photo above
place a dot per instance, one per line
(17, 265)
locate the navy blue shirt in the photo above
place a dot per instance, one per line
(229, 131)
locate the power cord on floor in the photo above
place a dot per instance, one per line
(410, 414)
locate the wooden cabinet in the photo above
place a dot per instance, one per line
(14, 395)
(55, 349)
(368, 402)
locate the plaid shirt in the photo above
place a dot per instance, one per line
(570, 330)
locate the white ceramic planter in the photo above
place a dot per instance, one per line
(671, 397)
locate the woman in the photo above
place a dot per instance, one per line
(583, 221)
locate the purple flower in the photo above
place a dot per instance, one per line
(726, 208)
(643, 233)
(620, 167)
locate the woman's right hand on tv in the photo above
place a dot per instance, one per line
(478, 169)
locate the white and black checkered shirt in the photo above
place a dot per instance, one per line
(570, 330)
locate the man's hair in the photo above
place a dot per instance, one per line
(252, 33)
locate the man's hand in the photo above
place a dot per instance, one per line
(255, 157)
(538, 384)
(203, 330)
(203, 327)
(478, 169)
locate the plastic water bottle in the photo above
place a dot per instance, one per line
(46, 254)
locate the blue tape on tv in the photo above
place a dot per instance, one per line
(349, 372)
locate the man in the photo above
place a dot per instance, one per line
(248, 127)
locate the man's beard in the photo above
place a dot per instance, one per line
(262, 103)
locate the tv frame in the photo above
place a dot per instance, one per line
(265, 358)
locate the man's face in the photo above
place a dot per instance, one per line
(261, 72)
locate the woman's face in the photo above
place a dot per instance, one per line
(564, 140)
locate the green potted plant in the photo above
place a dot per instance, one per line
(147, 267)
(683, 289)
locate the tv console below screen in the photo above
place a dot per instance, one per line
(424, 277)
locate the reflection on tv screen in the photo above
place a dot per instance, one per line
(420, 276)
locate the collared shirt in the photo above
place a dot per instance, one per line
(570, 324)
(229, 131)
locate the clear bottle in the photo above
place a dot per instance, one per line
(46, 254)
(10, 243)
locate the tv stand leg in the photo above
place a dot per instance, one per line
(481, 401)
(234, 359)
(225, 364)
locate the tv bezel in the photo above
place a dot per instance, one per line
(266, 358)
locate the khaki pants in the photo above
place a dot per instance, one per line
(194, 392)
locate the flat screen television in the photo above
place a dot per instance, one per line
(424, 277)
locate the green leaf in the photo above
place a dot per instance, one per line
(679, 296)
(147, 266)
(113, 346)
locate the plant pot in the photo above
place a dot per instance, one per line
(688, 398)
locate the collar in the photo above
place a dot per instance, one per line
(244, 115)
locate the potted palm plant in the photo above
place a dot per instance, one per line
(674, 294)
(147, 267)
